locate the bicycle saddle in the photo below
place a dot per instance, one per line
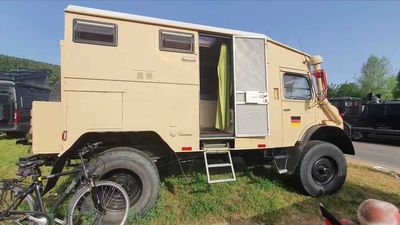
(25, 164)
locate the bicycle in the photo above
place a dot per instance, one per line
(94, 202)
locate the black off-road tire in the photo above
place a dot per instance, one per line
(133, 170)
(322, 169)
(55, 93)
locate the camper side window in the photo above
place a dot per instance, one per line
(296, 87)
(176, 42)
(91, 32)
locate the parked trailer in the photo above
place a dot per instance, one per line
(141, 90)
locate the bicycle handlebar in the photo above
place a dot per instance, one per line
(89, 148)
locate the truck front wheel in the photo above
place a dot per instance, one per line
(133, 170)
(322, 169)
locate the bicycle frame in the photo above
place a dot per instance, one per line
(36, 187)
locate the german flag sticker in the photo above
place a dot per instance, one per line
(295, 121)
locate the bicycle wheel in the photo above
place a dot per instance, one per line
(113, 199)
(7, 195)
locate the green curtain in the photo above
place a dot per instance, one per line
(222, 121)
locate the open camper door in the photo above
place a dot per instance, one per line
(250, 80)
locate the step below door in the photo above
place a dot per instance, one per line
(251, 96)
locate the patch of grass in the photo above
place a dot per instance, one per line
(257, 197)
(9, 154)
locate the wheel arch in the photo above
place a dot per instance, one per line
(148, 142)
(330, 134)
(333, 135)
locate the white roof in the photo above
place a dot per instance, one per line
(146, 19)
(170, 23)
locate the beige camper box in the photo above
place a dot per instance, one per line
(145, 91)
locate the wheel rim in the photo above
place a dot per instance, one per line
(129, 181)
(113, 201)
(27, 204)
(324, 171)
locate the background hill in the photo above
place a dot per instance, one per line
(8, 63)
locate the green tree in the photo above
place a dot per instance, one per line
(332, 90)
(347, 89)
(396, 89)
(375, 77)
(392, 85)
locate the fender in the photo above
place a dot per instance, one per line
(59, 164)
(331, 134)
(147, 141)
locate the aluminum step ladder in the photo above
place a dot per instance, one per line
(280, 162)
(218, 151)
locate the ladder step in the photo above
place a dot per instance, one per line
(217, 151)
(219, 165)
(282, 171)
(228, 164)
(281, 156)
(222, 180)
(280, 162)
(216, 145)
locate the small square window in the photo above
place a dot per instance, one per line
(91, 32)
(296, 87)
(176, 42)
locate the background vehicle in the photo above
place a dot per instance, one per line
(152, 91)
(379, 121)
(18, 89)
(350, 108)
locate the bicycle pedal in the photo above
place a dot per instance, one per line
(40, 220)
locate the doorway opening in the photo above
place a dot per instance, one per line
(216, 86)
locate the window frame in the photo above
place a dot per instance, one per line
(297, 75)
(92, 42)
(162, 48)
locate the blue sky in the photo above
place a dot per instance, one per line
(344, 33)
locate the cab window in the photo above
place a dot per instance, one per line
(296, 87)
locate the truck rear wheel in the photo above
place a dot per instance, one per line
(134, 171)
(322, 169)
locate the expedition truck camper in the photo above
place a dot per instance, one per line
(143, 91)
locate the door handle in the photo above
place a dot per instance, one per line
(276, 93)
(286, 110)
(188, 59)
